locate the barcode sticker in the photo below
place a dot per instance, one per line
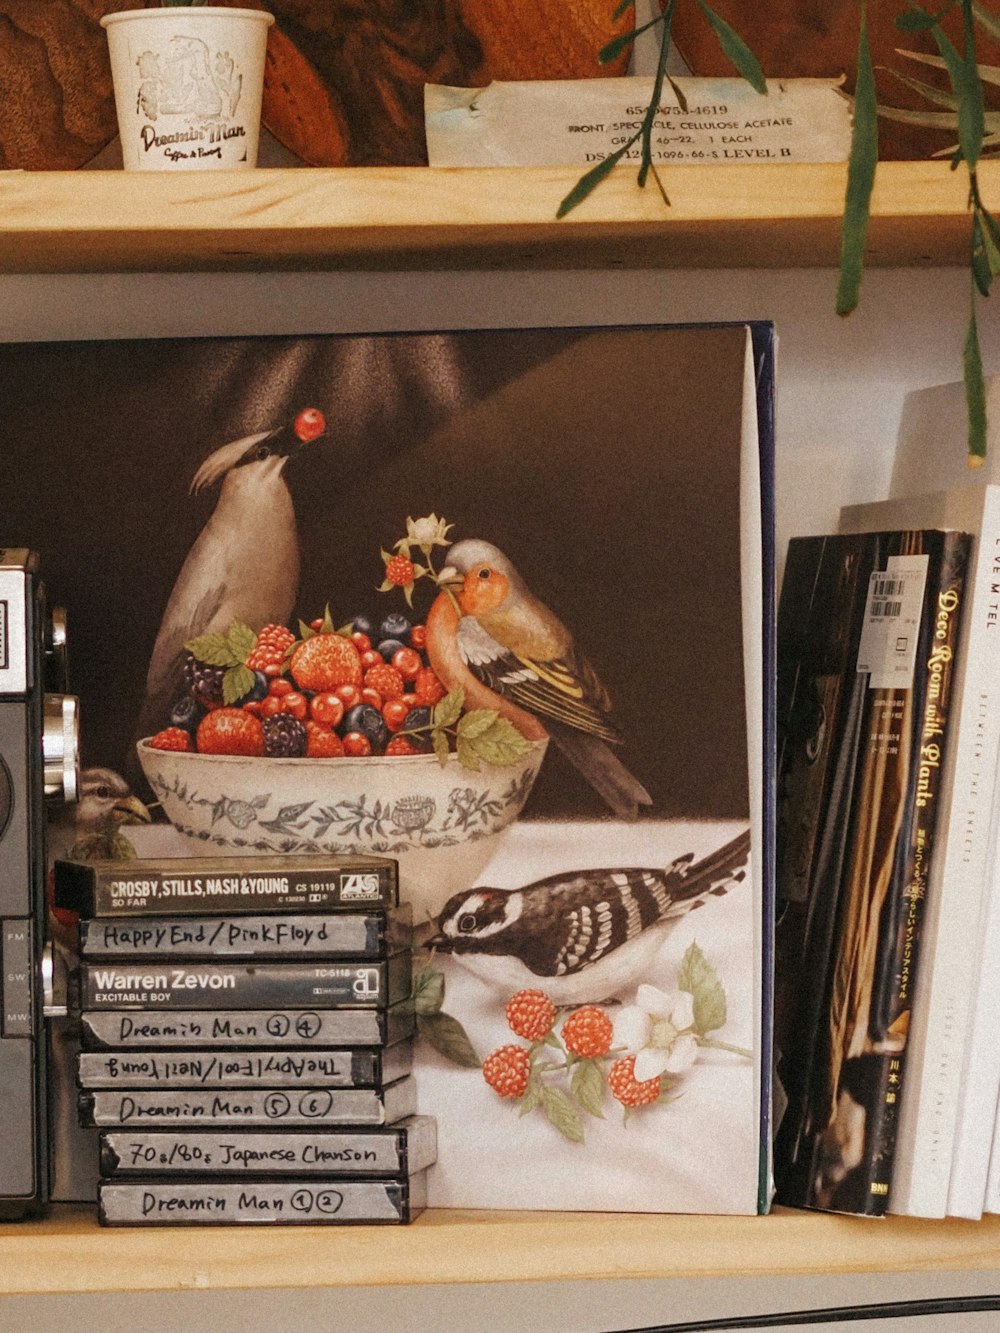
(888, 647)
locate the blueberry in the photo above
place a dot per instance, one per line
(396, 626)
(362, 624)
(370, 722)
(389, 646)
(417, 717)
(187, 713)
(259, 689)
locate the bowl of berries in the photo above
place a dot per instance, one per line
(336, 741)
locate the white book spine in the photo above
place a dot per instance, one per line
(945, 988)
(980, 1085)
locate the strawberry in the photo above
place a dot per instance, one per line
(530, 1014)
(171, 738)
(325, 661)
(507, 1070)
(626, 1089)
(322, 742)
(230, 731)
(587, 1032)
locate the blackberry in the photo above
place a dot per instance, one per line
(204, 681)
(285, 737)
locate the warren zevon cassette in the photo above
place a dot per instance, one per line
(388, 1150)
(263, 1027)
(225, 884)
(246, 1106)
(253, 985)
(360, 935)
(286, 1202)
(240, 1068)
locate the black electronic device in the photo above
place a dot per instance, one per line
(38, 764)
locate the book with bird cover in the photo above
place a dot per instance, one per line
(497, 605)
(869, 631)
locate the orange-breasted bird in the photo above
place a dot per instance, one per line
(488, 635)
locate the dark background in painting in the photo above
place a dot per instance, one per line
(603, 462)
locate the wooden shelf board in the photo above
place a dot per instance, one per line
(764, 215)
(68, 1252)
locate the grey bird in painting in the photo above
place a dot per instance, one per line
(88, 829)
(582, 935)
(244, 564)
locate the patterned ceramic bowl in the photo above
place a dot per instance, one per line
(440, 821)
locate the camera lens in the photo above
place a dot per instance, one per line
(60, 747)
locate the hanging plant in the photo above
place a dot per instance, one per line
(978, 131)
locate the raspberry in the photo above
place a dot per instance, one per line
(400, 570)
(204, 681)
(530, 1013)
(272, 643)
(587, 1032)
(402, 745)
(507, 1069)
(230, 731)
(322, 742)
(625, 1088)
(386, 680)
(427, 687)
(171, 738)
(324, 662)
(284, 736)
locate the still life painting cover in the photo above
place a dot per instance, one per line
(554, 551)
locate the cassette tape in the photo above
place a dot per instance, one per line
(249, 1106)
(358, 935)
(362, 1068)
(307, 1028)
(228, 884)
(196, 985)
(295, 1202)
(396, 1150)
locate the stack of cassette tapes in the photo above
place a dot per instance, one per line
(247, 1040)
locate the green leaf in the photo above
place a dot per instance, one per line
(679, 93)
(305, 631)
(587, 1086)
(440, 742)
(500, 744)
(621, 10)
(214, 650)
(238, 681)
(989, 22)
(736, 50)
(700, 979)
(448, 710)
(617, 45)
(562, 1114)
(982, 269)
(531, 1098)
(975, 388)
(241, 639)
(918, 21)
(428, 991)
(449, 1039)
(589, 182)
(860, 177)
(476, 722)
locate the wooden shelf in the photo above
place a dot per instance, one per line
(769, 216)
(68, 1252)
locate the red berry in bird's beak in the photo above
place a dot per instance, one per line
(309, 424)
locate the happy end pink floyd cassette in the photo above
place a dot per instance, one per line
(493, 605)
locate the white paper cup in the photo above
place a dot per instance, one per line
(188, 86)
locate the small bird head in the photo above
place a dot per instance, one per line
(478, 921)
(106, 802)
(482, 575)
(268, 451)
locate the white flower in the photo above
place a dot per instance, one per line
(658, 1031)
(426, 532)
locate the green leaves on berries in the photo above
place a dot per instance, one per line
(229, 650)
(441, 1031)
(482, 736)
(700, 979)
